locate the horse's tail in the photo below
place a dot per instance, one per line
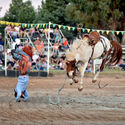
(116, 53)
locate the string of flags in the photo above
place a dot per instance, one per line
(45, 25)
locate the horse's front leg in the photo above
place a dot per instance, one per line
(80, 88)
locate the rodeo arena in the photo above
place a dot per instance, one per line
(47, 80)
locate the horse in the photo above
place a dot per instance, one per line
(82, 51)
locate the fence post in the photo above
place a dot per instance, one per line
(48, 49)
(5, 53)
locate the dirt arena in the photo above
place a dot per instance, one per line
(92, 106)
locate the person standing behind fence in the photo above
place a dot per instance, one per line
(24, 56)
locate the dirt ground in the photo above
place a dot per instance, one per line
(92, 106)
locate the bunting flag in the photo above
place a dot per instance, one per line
(107, 32)
(60, 26)
(69, 27)
(88, 30)
(102, 31)
(73, 28)
(83, 29)
(45, 25)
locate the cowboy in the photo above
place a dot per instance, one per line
(24, 56)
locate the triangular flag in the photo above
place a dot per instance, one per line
(117, 32)
(113, 31)
(122, 32)
(31, 25)
(98, 31)
(43, 25)
(73, 28)
(54, 25)
(64, 27)
(59, 26)
(93, 30)
(88, 30)
(83, 29)
(35, 25)
(25, 25)
(21, 24)
(107, 32)
(69, 27)
(46, 24)
(102, 31)
(38, 25)
(28, 25)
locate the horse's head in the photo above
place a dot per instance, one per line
(71, 68)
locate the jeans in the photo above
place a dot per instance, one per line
(22, 87)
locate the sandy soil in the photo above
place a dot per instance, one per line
(92, 106)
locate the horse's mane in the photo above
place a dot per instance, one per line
(70, 54)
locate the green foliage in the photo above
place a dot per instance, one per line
(96, 13)
(20, 12)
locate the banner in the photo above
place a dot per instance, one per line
(45, 25)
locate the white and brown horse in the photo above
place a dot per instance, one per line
(82, 51)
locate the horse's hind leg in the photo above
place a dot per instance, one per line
(95, 76)
(99, 70)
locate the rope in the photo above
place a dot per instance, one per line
(58, 95)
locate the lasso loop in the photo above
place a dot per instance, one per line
(58, 95)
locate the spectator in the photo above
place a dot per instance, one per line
(55, 48)
(23, 32)
(37, 41)
(17, 28)
(11, 31)
(51, 34)
(37, 66)
(3, 58)
(58, 38)
(36, 32)
(42, 56)
(14, 35)
(35, 57)
(30, 32)
(46, 32)
(61, 64)
(10, 60)
(8, 29)
(39, 45)
(1, 40)
(54, 59)
(9, 66)
(63, 56)
(65, 43)
(43, 65)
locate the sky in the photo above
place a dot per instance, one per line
(5, 5)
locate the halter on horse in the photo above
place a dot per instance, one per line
(86, 49)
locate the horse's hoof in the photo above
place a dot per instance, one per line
(93, 81)
(80, 88)
(71, 83)
(76, 80)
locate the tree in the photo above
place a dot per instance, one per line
(20, 11)
(52, 10)
(103, 14)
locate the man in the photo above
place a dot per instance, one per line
(24, 56)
